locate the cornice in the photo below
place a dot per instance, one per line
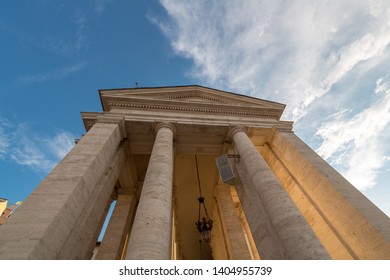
(219, 109)
(190, 96)
(89, 119)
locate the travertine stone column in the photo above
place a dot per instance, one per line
(218, 244)
(82, 239)
(291, 228)
(120, 222)
(329, 238)
(150, 238)
(56, 212)
(359, 224)
(231, 225)
(264, 235)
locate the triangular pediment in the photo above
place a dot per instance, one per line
(191, 99)
(190, 105)
(191, 94)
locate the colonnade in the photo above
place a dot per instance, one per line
(150, 237)
(73, 199)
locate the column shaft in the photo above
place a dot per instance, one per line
(359, 224)
(82, 240)
(291, 228)
(231, 225)
(118, 228)
(150, 237)
(52, 214)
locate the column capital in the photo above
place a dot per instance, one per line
(233, 130)
(119, 120)
(167, 125)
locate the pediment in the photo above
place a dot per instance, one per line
(191, 99)
(189, 105)
(188, 94)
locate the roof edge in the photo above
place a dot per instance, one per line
(186, 86)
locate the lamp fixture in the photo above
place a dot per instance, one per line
(205, 224)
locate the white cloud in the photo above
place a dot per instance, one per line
(366, 47)
(4, 143)
(25, 147)
(76, 44)
(382, 86)
(60, 144)
(53, 75)
(294, 53)
(28, 154)
(100, 5)
(4, 139)
(355, 143)
(318, 57)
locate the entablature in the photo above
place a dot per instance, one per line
(192, 136)
(202, 116)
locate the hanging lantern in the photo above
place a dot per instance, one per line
(205, 225)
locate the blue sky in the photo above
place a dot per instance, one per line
(328, 61)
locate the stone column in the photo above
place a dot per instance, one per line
(150, 238)
(117, 230)
(362, 228)
(61, 216)
(292, 230)
(231, 225)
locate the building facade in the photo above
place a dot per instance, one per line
(5, 210)
(154, 150)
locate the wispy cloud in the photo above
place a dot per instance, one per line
(356, 143)
(4, 139)
(4, 143)
(78, 43)
(60, 144)
(28, 153)
(320, 58)
(53, 75)
(100, 5)
(294, 53)
(25, 147)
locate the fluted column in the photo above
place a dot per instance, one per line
(150, 238)
(292, 230)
